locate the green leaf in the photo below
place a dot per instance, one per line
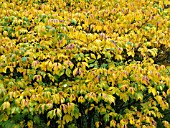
(91, 65)
(106, 117)
(36, 119)
(74, 22)
(68, 72)
(50, 114)
(139, 96)
(24, 59)
(104, 65)
(91, 61)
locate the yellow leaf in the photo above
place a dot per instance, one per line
(79, 27)
(75, 72)
(131, 90)
(93, 56)
(124, 97)
(158, 99)
(43, 66)
(48, 123)
(131, 53)
(81, 99)
(168, 91)
(5, 117)
(68, 72)
(97, 124)
(112, 123)
(131, 120)
(67, 118)
(152, 90)
(85, 65)
(111, 98)
(153, 51)
(64, 106)
(37, 77)
(98, 28)
(64, 42)
(72, 97)
(30, 124)
(4, 69)
(166, 124)
(49, 66)
(118, 57)
(6, 105)
(98, 56)
(59, 113)
(102, 111)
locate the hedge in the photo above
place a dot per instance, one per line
(84, 63)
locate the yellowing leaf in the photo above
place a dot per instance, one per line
(132, 121)
(131, 53)
(124, 96)
(81, 99)
(111, 98)
(30, 124)
(37, 77)
(67, 118)
(168, 91)
(59, 113)
(102, 110)
(85, 65)
(6, 105)
(139, 96)
(48, 123)
(153, 51)
(158, 99)
(131, 90)
(64, 107)
(49, 66)
(97, 124)
(93, 56)
(166, 124)
(51, 114)
(98, 28)
(72, 97)
(68, 72)
(118, 57)
(112, 123)
(152, 90)
(75, 72)
(98, 56)
(5, 117)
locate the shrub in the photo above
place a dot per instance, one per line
(84, 63)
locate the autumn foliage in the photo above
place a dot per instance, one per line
(84, 63)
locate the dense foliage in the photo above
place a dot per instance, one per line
(84, 63)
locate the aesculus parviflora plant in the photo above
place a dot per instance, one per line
(84, 63)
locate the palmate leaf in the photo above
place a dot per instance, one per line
(152, 90)
(6, 105)
(112, 123)
(131, 53)
(139, 96)
(51, 114)
(124, 97)
(67, 118)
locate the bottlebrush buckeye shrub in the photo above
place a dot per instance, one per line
(84, 63)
